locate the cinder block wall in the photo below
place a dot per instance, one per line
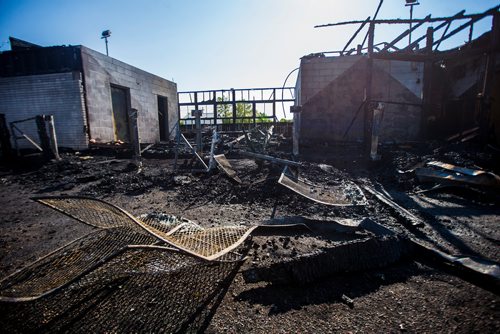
(100, 72)
(317, 73)
(332, 89)
(59, 94)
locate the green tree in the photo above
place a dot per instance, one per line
(242, 110)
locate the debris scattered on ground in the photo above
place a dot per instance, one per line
(361, 256)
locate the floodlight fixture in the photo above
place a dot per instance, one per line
(412, 3)
(105, 34)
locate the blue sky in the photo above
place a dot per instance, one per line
(212, 44)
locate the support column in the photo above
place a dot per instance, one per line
(215, 108)
(44, 139)
(197, 115)
(53, 138)
(368, 112)
(296, 112)
(489, 78)
(254, 112)
(5, 138)
(378, 114)
(234, 105)
(134, 134)
(427, 85)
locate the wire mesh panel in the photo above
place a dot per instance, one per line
(166, 223)
(90, 211)
(139, 290)
(208, 244)
(67, 263)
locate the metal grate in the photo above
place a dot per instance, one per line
(68, 263)
(208, 244)
(142, 289)
(90, 211)
(166, 223)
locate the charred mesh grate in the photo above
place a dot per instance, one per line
(142, 289)
(165, 223)
(91, 211)
(208, 244)
(115, 279)
(69, 262)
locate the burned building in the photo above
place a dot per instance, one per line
(332, 91)
(89, 94)
(424, 92)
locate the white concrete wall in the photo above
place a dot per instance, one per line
(59, 94)
(101, 71)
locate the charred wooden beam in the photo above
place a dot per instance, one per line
(476, 16)
(408, 217)
(275, 160)
(442, 25)
(374, 17)
(355, 34)
(457, 30)
(442, 36)
(403, 35)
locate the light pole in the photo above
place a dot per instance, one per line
(411, 3)
(105, 34)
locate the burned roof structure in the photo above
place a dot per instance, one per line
(419, 89)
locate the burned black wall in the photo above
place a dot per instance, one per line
(46, 60)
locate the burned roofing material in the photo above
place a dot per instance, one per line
(40, 60)
(18, 44)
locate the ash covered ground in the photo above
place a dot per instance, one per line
(406, 296)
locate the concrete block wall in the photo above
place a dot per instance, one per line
(59, 94)
(101, 72)
(317, 73)
(332, 89)
(409, 74)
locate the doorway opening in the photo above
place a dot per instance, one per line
(120, 101)
(163, 117)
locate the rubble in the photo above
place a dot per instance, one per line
(442, 173)
(317, 242)
(245, 223)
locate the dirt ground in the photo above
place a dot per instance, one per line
(407, 296)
